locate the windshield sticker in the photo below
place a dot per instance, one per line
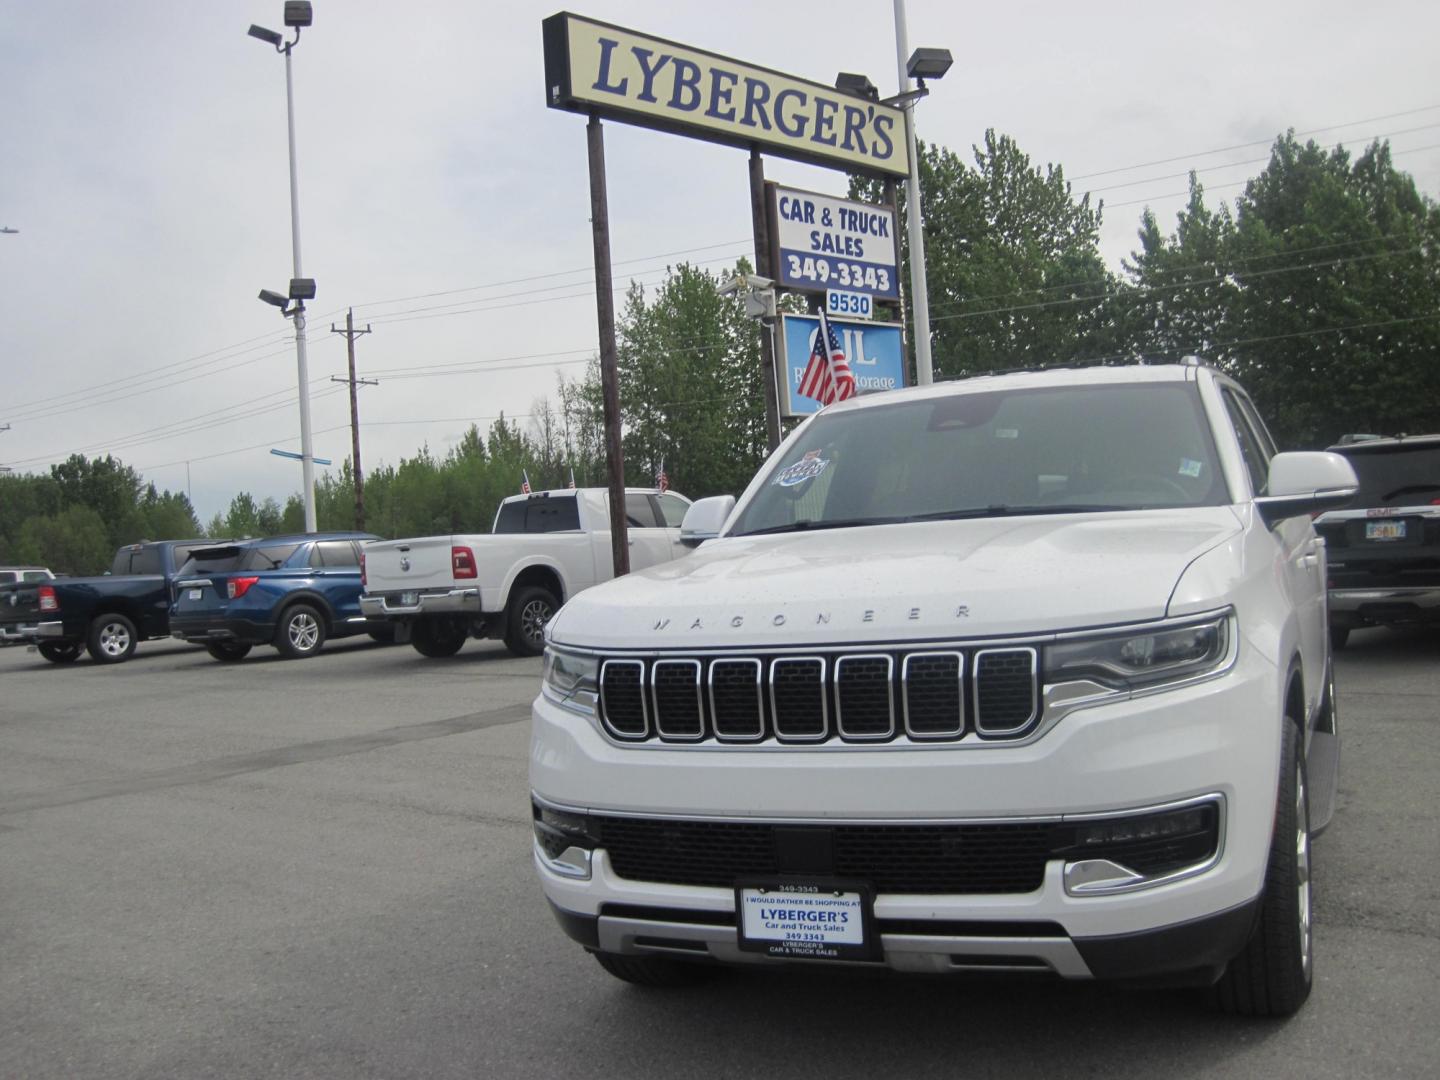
(1007, 433)
(1189, 467)
(807, 468)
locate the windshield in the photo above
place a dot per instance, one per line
(1402, 476)
(991, 453)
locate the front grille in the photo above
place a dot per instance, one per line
(999, 858)
(948, 695)
(901, 857)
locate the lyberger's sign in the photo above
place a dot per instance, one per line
(593, 67)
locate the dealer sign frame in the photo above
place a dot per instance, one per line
(599, 69)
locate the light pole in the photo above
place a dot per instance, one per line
(297, 15)
(924, 64)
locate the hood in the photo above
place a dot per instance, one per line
(980, 578)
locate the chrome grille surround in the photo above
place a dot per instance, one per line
(1018, 696)
(723, 709)
(915, 727)
(858, 728)
(792, 687)
(673, 706)
(616, 702)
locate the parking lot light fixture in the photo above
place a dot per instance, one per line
(297, 14)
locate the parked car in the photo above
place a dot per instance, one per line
(10, 575)
(105, 615)
(544, 548)
(293, 592)
(1384, 549)
(1024, 672)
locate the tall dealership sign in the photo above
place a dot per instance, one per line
(606, 72)
(598, 69)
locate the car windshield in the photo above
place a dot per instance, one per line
(1398, 475)
(993, 453)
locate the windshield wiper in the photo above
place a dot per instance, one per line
(1409, 489)
(1016, 510)
(820, 523)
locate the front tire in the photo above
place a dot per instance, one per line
(525, 618)
(437, 638)
(1273, 974)
(60, 652)
(112, 639)
(655, 971)
(228, 651)
(301, 632)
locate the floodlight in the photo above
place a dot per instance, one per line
(297, 13)
(928, 63)
(274, 298)
(302, 288)
(270, 37)
(857, 85)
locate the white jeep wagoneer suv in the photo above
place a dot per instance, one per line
(1027, 672)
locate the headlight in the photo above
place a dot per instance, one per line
(1135, 661)
(571, 680)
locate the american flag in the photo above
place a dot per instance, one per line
(572, 477)
(827, 376)
(662, 478)
(524, 482)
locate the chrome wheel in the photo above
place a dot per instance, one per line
(303, 631)
(533, 617)
(114, 639)
(1302, 870)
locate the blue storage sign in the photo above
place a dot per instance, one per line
(875, 352)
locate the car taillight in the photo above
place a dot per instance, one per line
(362, 569)
(47, 599)
(237, 587)
(462, 562)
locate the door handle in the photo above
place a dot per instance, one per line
(1310, 562)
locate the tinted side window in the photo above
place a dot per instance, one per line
(511, 518)
(1257, 464)
(36, 575)
(269, 557)
(674, 509)
(121, 565)
(147, 560)
(551, 515)
(8, 577)
(337, 553)
(639, 512)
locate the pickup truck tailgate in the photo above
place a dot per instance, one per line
(405, 565)
(21, 603)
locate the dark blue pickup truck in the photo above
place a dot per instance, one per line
(105, 615)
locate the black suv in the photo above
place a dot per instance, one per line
(1384, 550)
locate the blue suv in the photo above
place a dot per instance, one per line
(292, 592)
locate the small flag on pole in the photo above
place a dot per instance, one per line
(572, 477)
(524, 482)
(827, 376)
(662, 479)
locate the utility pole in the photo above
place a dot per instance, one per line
(350, 335)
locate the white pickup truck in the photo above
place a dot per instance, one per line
(543, 549)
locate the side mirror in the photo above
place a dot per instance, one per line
(704, 519)
(1306, 482)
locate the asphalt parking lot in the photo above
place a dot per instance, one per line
(322, 868)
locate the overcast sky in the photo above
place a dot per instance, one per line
(143, 161)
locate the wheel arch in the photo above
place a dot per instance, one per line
(537, 572)
(306, 596)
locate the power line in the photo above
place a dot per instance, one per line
(1256, 142)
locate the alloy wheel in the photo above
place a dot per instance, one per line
(303, 631)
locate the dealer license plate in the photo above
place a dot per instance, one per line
(1384, 530)
(196, 594)
(409, 599)
(806, 921)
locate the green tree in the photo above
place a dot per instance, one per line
(73, 541)
(1015, 273)
(242, 519)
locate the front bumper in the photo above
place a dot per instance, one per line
(1215, 738)
(392, 605)
(23, 633)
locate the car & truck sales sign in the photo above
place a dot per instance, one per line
(592, 67)
(826, 243)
